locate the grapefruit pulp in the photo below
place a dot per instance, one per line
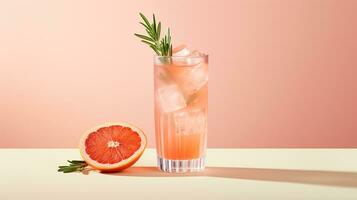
(112, 146)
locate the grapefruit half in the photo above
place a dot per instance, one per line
(112, 146)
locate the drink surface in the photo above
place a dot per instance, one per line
(181, 94)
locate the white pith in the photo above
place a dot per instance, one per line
(113, 144)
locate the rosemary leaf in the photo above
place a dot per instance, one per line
(159, 30)
(74, 166)
(144, 37)
(145, 19)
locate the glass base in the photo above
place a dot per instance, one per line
(181, 166)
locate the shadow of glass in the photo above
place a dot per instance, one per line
(327, 178)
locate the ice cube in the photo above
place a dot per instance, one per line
(181, 50)
(190, 121)
(194, 58)
(162, 75)
(197, 53)
(171, 98)
(194, 78)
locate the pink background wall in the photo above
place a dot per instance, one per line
(282, 73)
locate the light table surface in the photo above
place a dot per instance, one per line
(246, 174)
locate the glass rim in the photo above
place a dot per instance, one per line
(182, 57)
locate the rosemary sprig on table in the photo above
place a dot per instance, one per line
(74, 166)
(161, 46)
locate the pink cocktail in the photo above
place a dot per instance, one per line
(181, 105)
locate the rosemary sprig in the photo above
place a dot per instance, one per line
(74, 166)
(161, 46)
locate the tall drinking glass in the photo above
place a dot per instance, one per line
(181, 105)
